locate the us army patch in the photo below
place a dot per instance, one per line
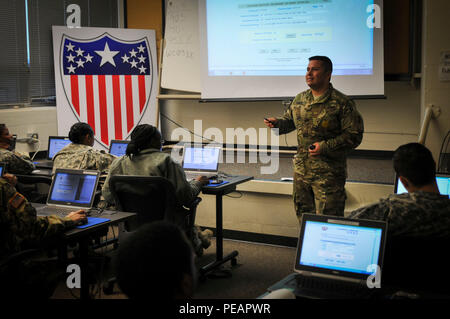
(16, 201)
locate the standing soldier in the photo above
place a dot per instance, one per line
(328, 126)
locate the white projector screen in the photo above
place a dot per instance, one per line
(259, 49)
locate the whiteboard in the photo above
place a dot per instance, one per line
(181, 55)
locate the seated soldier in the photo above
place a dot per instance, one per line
(145, 158)
(418, 224)
(21, 229)
(80, 154)
(423, 211)
(15, 162)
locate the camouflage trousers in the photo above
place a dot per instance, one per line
(324, 194)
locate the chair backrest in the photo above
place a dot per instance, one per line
(151, 197)
(414, 263)
(34, 187)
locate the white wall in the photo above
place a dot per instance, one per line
(436, 38)
(20, 121)
(388, 122)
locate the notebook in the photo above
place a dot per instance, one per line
(336, 256)
(442, 180)
(118, 147)
(201, 161)
(55, 144)
(71, 189)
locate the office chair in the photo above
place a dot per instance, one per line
(416, 264)
(152, 198)
(23, 279)
(34, 187)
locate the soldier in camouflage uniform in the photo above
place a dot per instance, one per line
(21, 229)
(328, 126)
(144, 158)
(80, 154)
(423, 211)
(15, 162)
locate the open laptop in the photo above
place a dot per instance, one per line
(2, 169)
(442, 180)
(336, 256)
(55, 144)
(71, 189)
(201, 160)
(118, 147)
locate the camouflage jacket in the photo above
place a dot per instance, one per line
(79, 156)
(20, 228)
(153, 162)
(331, 119)
(16, 163)
(414, 214)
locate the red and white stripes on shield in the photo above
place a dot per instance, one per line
(111, 104)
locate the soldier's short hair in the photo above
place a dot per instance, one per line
(415, 162)
(2, 128)
(326, 62)
(78, 131)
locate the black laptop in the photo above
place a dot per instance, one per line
(55, 144)
(339, 257)
(118, 147)
(442, 181)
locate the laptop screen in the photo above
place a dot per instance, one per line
(55, 144)
(201, 158)
(340, 246)
(118, 148)
(1, 169)
(73, 187)
(442, 181)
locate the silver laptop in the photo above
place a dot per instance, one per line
(339, 257)
(71, 189)
(201, 160)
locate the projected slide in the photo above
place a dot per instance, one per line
(261, 48)
(340, 247)
(276, 38)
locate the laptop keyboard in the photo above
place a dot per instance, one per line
(323, 287)
(190, 177)
(61, 212)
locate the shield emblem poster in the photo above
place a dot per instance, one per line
(106, 78)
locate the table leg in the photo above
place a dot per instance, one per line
(219, 228)
(83, 246)
(220, 260)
